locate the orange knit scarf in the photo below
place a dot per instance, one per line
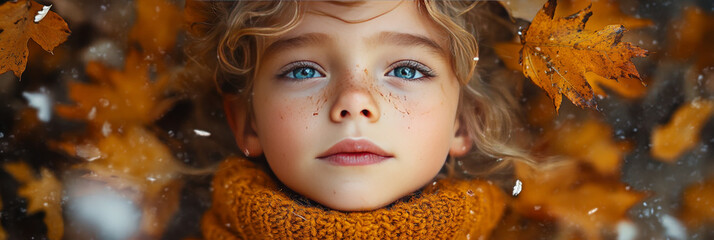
(248, 204)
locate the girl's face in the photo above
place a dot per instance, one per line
(355, 115)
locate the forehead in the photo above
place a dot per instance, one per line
(367, 20)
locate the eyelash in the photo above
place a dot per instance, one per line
(426, 71)
(295, 65)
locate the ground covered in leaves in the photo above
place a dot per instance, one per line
(97, 112)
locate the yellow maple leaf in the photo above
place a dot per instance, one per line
(558, 53)
(18, 25)
(44, 194)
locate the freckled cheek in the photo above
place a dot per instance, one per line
(284, 124)
(431, 117)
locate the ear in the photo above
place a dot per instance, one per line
(237, 114)
(461, 143)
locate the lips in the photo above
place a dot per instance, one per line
(350, 152)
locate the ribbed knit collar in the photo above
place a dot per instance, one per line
(249, 204)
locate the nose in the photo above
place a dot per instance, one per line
(354, 102)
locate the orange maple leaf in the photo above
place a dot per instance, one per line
(44, 194)
(18, 25)
(122, 97)
(558, 55)
(682, 132)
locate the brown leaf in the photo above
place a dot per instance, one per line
(44, 194)
(17, 26)
(119, 97)
(682, 131)
(156, 27)
(557, 53)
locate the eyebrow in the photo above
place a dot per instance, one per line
(407, 39)
(299, 41)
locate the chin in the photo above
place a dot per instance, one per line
(357, 197)
(355, 203)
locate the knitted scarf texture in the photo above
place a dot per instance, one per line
(248, 203)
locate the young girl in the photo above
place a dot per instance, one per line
(355, 107)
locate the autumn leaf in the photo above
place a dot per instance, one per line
(605, 12)
(682, 131)
(18, 24)
(558, 54)
(691, 37)
(564, 193)
(594, 206)
(117, 98)
(44, 194)
(590, 142)
(157, 25)
(698, 204)
(137, 164)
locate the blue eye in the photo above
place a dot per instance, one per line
(303, 73)
(406, 73)
(411, 70)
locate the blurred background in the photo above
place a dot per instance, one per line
(109, 137)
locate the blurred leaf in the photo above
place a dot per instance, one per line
(682, 132)
(698, 204)
(140, 165)
(590, 142)
(119, 97)
(564, 193)
(558, 53)
(157, 25)
(17, 26)
(690, 37)
(508, 52)
(44, 194)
